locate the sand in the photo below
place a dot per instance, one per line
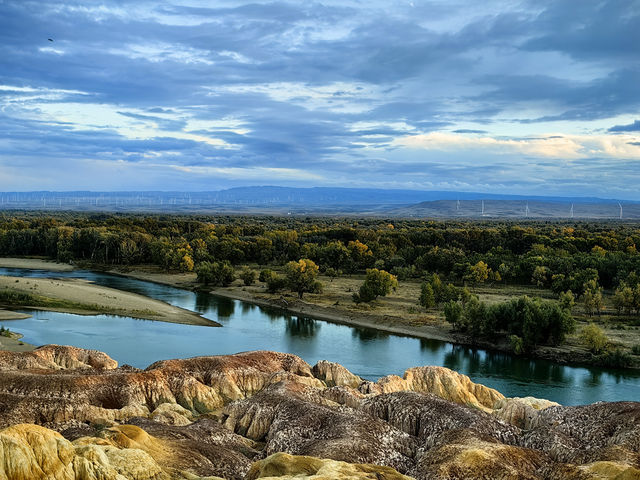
(9, 315)
(98, 299)
(35, 263)
(14, 344)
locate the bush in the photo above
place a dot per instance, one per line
(636, 349)
(275, 283)
(594, 338)
(216, 273)
(5, 332)
(377, 283)
(265, 275)
(517, 344)
(332, 273)
(453, 313)
(248, 276)
(533, 320)
(614, 358)
(427, 299)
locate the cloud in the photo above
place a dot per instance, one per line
(632, 127)
(568, 147)
(429, 94)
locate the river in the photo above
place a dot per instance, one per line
(366, 352)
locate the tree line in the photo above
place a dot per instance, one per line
(555, 256)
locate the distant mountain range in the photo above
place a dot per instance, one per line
(327, 200)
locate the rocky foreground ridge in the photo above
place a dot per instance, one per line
(69, 413)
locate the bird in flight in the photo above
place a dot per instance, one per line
(50, 39)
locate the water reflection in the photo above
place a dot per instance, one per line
(368, 334)
(301, 327)
(432, 346)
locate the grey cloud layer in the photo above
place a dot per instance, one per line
(324, 89)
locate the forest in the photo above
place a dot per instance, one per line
(570, 261)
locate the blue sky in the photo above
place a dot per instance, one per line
(525, 97)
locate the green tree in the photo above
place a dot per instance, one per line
(427, 299)
(594, 338)
(567, 300)
(453, 313)
(478, 273)
(216, 273)
(248, 276)
(302, 276)
(540, 276)
(592, 297)
(377, 283)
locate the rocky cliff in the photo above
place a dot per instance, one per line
(69, 413)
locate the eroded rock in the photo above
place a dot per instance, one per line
(282, 466)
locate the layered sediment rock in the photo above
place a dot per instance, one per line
(440, 381)
(282, 466)
(271, 415)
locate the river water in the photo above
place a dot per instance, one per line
(366, 352)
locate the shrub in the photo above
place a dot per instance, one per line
(517, 344)
(427, 299)
(377, 283)
(453, 313)
(614, 358)
(594, 338)
(248, 276)
(265, 275)
(636, 349)
(216, 273)
(275, 283)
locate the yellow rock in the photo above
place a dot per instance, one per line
(611, 471)
(31, 452)
(283, 466)
(444, 383)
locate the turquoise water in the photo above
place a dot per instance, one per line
(366, 352)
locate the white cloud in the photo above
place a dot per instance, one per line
(569, 147)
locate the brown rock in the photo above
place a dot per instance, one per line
(521, 412)
(56, 357)
(297, 420)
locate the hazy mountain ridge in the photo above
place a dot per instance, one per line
(328, 200)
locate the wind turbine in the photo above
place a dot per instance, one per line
(620, 205)
(482, 208)
(526, 210)
(571, 212)
(457, 205)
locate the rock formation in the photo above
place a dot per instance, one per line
(69, 413)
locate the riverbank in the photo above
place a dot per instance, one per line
(10, 315)
(12, 342)
(397, 313)
(35, 264)
(82, 297)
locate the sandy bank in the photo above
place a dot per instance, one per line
(87, 298)
(14, 344)
(35, 264)
(9, 315)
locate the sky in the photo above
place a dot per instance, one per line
(537, 97)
